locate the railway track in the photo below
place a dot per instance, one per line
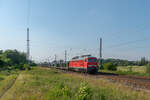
(135, 82)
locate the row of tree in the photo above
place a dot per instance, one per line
(116, 62)
(13, 59)
(119, 62)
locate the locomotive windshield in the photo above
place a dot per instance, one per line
(92, 60)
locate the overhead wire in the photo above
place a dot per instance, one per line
(131, 42)
(128, 43)
(138, 29)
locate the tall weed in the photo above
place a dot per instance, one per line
(84, 92)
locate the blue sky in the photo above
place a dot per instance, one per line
(76, 25)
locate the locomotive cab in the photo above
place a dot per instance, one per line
(92, 65)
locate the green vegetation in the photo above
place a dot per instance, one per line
(110, 66)
(52, 84)
(84, 92)
(125, 67)
(148, 68)
(139, 69)
(13, 59)
(130, 70)
(7, 79)
(120, 62)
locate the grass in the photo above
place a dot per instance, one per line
(51, 84)
(129, 70)
(126, 73)
(6, 84)
(7, 79)
(139, 69)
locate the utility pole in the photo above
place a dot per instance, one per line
(65, 58)
(55, 60)
(28, 47)
(49, 62)
(100, 56)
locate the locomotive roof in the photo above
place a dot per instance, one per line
(82, 57)
(86, 56)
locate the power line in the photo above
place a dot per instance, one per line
(129, 42)
(133, 32)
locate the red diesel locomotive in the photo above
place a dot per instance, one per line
(85, 63)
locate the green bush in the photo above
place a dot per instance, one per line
(1, 78)
(130, 69)
(84, 92)
(33, 64)
(2, 63)
(26, 67)
(101, 67)
(59, 90)
(110, 66)
(148, 68)
(66, 91)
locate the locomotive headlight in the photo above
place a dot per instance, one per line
(91, 65)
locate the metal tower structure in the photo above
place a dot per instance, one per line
(100, 55)
(100, 48)
(28, 46)
(28, 35)
(65, 58)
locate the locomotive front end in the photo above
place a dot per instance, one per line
(92, 65)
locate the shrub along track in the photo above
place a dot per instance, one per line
(139, 83)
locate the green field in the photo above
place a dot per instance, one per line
(51, 84)
(140, 69)
(129, 70)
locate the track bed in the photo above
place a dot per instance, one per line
(135, 82)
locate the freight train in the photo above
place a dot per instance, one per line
(84, 63)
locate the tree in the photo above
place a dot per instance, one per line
(2, 63)
(1, 52)
(148, 68)
(143, 61)
(14, 57)
(110, 66)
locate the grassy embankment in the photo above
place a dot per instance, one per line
(130, 70)
(7, 79)
(51, 84)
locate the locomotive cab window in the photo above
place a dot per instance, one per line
(92, 60)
